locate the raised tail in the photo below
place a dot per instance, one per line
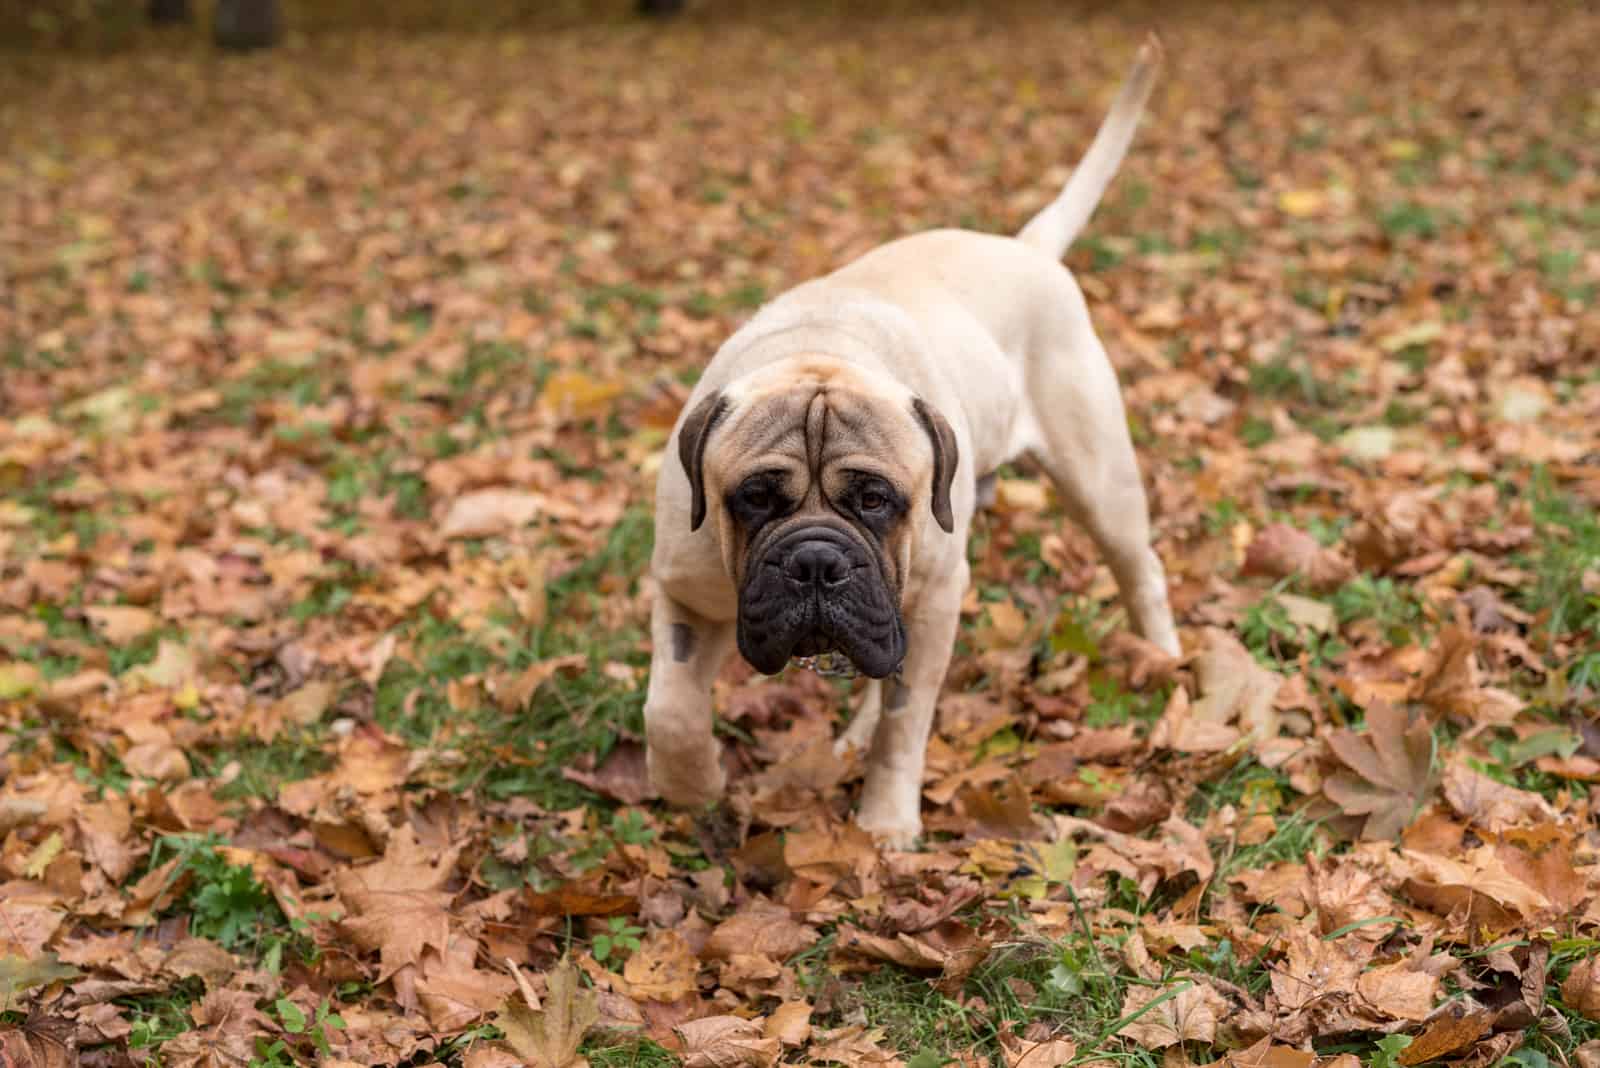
(1052, 230)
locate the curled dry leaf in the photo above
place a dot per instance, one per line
(1581, 989)
(662, 969)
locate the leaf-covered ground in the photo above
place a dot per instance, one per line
(333, 384)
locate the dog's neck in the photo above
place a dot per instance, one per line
(859, 331)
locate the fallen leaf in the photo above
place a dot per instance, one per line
(549, 1037)
(1444, 1036)
(790, 1023)
(398, 906)
(1186, 1012)
(491, 512)
(121, 624)
(1580, 991)
(726, 1042)
(1390, 771)
(1280, 550)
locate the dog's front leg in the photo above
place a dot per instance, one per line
(683, 758)
(891, 796)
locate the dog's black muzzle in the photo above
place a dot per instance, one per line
(816, 588)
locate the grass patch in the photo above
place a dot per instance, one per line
(1568, 547)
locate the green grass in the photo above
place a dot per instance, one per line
(522, 754)
(1396, 609)
(265, 767)
(1567, 547)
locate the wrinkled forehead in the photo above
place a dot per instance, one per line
(818, 420)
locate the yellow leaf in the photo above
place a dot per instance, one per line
(1401, 148)
(575, 395)
(46, 851)
(18, 680)
(1302, 203)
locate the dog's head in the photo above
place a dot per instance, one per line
(818, 476)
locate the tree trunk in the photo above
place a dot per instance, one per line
(169, 12)
(241, 25)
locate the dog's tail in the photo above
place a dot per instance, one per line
(1053, 229)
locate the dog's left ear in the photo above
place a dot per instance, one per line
(692, 437)
(945, 457)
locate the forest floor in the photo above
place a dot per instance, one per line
(333, 384)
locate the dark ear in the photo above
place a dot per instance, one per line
(945, 458)
(692, 437)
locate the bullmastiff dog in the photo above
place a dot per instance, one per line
(828, 463)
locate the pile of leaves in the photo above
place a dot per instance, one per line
(333, 383)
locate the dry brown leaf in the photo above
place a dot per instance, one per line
(1019, 1052)
(1190, 1014)
(1398, 991)
(121, 624)
(398, 906)
(790, 1023)
(1390, 772)
(1266, 1055)
(1279, 550)
(853, 1046)
(761, 929)
(621, 776)
(1580, 991)
(490, 512)
(1444, 1036)
(663, 968)
(727, 1042)
(1234, 688)
(549, 1037)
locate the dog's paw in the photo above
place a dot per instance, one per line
(897, 834)
(851, 742)
(687, 784)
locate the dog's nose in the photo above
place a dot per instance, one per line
(817, 563)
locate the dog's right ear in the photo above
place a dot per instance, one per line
(692, 438)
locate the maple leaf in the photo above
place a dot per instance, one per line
(1390, 771)
(40, 1041)
(1280, 550)
(1187, 1012)
(662, 969)
(727, 1042)
(549, 1037)
(396, 906)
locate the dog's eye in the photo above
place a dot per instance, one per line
(758, 498)
(872, 501)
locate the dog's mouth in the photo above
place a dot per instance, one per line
(818, 590)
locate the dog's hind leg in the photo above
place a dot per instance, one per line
(1089, 456)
